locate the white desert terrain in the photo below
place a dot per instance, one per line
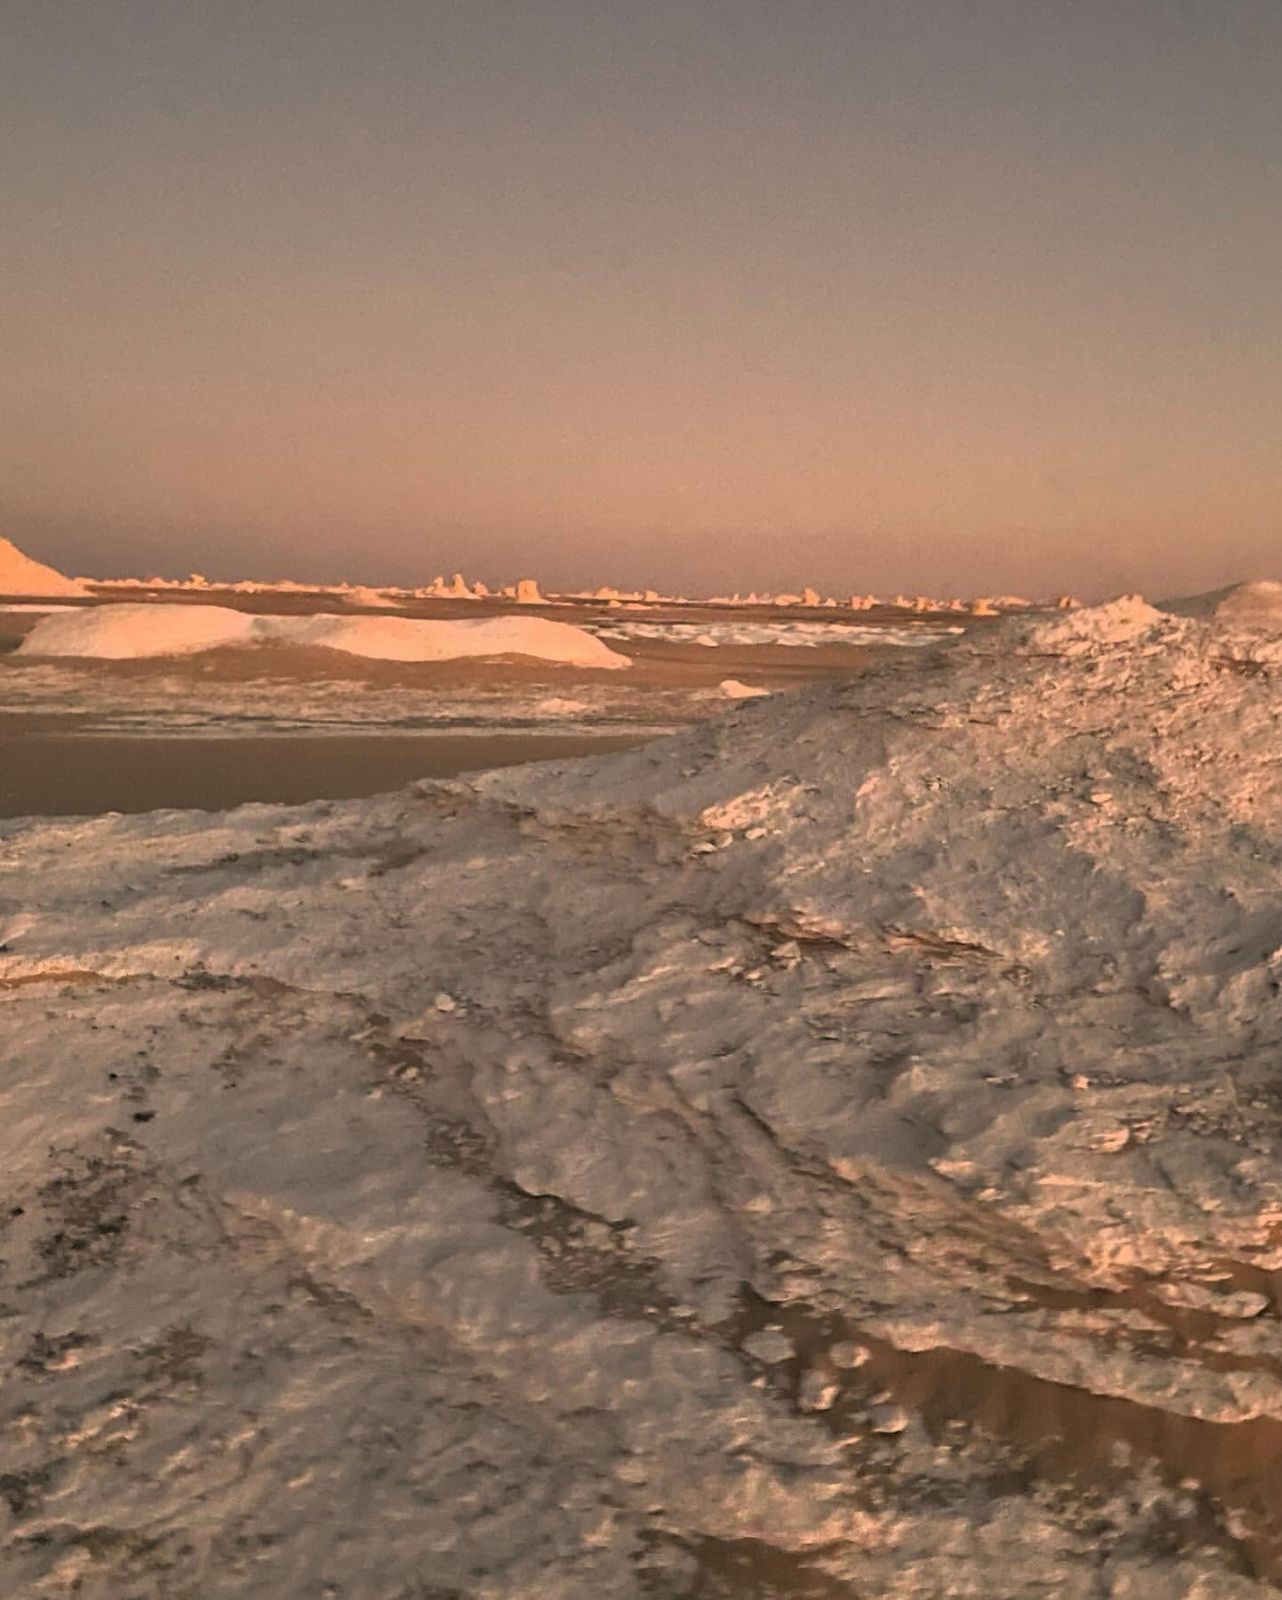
(20, 575)
(136, 694)
(133, 632)
(830, 1152)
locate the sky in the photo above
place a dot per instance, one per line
(928, 295)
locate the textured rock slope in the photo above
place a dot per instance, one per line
(714, 1170)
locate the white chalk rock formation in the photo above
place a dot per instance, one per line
(844, 1160)
(124, 632)
(20, 575)
(1252, 606)
(372, 599)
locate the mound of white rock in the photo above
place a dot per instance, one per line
(732, 1164)
(21, 576)
(121, 632)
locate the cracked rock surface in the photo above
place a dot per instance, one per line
(832, 1152)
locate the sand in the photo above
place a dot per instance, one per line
(290, 692)
(56, 773)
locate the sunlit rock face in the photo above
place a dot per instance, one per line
(831, 1152)
(20, 575)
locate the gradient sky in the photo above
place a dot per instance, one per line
(963, 295)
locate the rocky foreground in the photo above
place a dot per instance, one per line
(830, 1153)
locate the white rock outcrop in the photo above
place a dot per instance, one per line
(21, 576)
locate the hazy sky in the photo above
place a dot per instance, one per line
(924, 294)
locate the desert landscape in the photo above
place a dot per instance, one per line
(641, 801)
(127, 696)
(828, 1149)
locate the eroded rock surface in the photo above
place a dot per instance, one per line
(846, 1164)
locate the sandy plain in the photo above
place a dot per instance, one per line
(103, 737)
